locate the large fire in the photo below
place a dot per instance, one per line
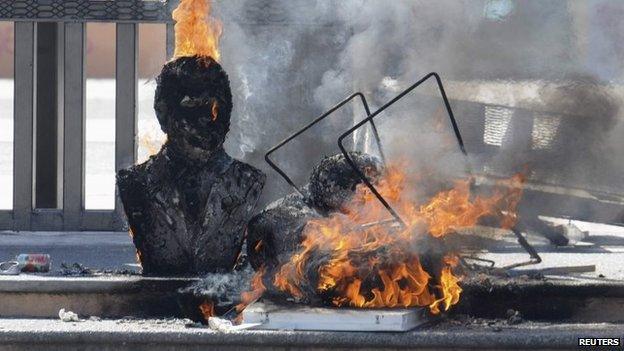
(196, 32)
(377, 266)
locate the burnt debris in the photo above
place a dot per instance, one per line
(188, 205)
(333, 180)
(275, 234)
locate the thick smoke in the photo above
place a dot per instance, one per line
(290, 60)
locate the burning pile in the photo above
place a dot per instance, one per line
(352, 255)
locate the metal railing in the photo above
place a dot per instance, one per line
(71, 17)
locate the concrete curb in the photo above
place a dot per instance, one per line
(570, 299)
(108, 297)
(105, 336)
(99, 284)
(28, 296)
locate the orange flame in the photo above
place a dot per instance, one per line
(257, 289)
(376, 266)
(207, 309)
(449, 287)
(196, 33)
(138, 255)
(258, 246)
(214, 110)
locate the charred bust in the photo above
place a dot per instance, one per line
(188, 205)
(193, 104)
(275, 233)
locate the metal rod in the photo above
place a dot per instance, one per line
(283, 174)
(370, 118)
(535, 257)
(475, 258)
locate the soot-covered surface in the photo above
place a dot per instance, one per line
(275, 233)
(188, 205)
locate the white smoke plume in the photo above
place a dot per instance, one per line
(290, 60)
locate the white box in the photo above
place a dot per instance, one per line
(298, 317)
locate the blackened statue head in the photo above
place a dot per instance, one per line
(193, 104)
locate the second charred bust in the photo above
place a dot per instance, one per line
(188, 205)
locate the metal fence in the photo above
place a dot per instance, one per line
(49, 153)
(62, 132)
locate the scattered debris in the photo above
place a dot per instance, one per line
(534, 225)
(216, 323)
(165, 323)
(126, 319)
(514, 317)
(9, 268)
(79, 270)
(572, 232)
(95, 319)
(68, 316)
(225, 325)
(469, 322)
(567, 234)
(75, 269)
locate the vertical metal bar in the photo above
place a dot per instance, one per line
(171, 6)
(60, 107)
(46, 154)
(170, 40)
(24, 126)
(74, 126)
(126, 97)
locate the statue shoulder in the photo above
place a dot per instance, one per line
(138, 179)
(131, 177)
(248, 173)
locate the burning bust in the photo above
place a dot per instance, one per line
(188, 205)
